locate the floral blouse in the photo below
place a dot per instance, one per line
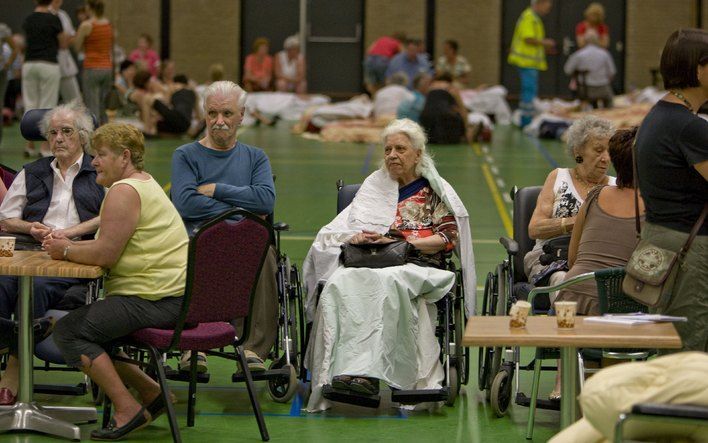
(422, 213)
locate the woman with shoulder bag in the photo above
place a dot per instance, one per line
(672, 165)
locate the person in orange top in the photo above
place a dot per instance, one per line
(95, 38)
(258, 69)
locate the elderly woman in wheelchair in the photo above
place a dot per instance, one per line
(378, 324)
(564, 192)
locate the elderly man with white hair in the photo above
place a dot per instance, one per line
(218, 173)
(51, 197)
(378, 324)
(595, 65)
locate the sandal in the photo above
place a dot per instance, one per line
(554, 395)
(342, 382)
(365, 385)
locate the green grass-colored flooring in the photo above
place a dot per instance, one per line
(306, 199)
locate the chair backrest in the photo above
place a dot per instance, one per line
(345, 195)
(611, 298)
(225, 260)
(524, 205)
(29, 125)
(7, 175)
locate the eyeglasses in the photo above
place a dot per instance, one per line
(66, 131)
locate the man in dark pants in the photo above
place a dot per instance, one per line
(177, 117)
(218, 173)
(54, 196)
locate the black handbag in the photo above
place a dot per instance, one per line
(374, 255)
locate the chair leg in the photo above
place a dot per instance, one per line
(252, 394)
(156, 358)
(537, 363)
(192, 388)
(581, 370)
(106, 411)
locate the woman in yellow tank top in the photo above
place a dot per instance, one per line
(142, 243)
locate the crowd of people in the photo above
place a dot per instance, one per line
(91, 201)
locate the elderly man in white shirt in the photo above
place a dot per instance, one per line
(598, 67)
(55, 196)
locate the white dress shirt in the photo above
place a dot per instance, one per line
(62, 211)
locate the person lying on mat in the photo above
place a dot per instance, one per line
(405, 200)
(143, 242)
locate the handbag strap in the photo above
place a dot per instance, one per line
(635, 183)
(694, 231)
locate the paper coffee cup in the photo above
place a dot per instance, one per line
(7, 246)
(565, 313)
(519, 312)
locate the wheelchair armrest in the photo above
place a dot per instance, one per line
(671, 410)
(280, 226)
(511, 246)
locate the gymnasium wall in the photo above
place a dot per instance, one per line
(131, 18)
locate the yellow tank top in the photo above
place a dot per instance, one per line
(522, 54)
(153, 264)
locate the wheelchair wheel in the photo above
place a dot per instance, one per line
(500, 396)
(462, 354)
(454, 384)
(282, 389)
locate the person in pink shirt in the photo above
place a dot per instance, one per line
(377, 57)
(258, 69)
(144, 56)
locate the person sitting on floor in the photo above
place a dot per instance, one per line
(53, 197)
(388, 98)
(444, 116)
(412, 108)
(175, 118)
(218, 173)
(405, 200)
(143, 243)
(290, 75)
(258, 67)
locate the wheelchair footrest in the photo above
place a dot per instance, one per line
(408, 397)
(261, 375)
(523, 400)
(172, 374)
(352, 398)
(79, 389)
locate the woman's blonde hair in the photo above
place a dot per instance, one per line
(595, 9)
(119, 136)
(260, 41)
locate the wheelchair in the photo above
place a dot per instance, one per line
(449, 330)
(287, 354)
(498, 369)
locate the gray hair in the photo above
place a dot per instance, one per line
(292, 42)
(417, 137)
(399, 78)
(225, 87)
(592, 37)
(82, 120)
(585, 129)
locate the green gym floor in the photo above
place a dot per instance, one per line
(306, 174)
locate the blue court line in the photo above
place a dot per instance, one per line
(544, 152)
(367, 160)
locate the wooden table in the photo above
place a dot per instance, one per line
(541, 331)
(26, 414)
